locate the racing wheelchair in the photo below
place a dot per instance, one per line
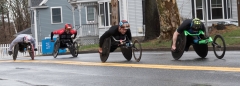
(23, 47)
(127, 48)
(65, 41)
(201, 46)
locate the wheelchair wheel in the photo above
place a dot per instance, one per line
(31, 51)
(219, 46)
(105, 50)
(127, 53)
(180, 46)
(137, 50)
(201, 50)
(74, 50)
(56, 48)
(15, 51)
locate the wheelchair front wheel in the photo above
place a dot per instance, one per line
(137, 50)
(219, 46)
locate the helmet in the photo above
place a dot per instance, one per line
(68, 26)
(196, 24)
(124, 24)
(26, 39)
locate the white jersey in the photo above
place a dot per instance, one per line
(19, 39)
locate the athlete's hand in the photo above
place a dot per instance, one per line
(100, 50)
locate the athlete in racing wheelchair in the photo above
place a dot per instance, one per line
(192, 32)
(22, 43)
(119, 36)
(65, 40)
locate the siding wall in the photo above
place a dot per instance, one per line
(44, 25)
(185, 8)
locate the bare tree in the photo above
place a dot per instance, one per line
(16, 13)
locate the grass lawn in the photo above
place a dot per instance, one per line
(231, 36)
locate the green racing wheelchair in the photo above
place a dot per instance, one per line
(200, 46)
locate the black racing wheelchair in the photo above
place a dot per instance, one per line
(127, 48)
(23, 47)
(201, 46)
(65, 41)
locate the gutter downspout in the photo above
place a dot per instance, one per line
(35, 29)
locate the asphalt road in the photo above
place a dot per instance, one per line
(156, 68)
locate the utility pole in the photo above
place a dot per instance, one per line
(238, 7)
(114, 6)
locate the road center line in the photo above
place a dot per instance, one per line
(154, 66)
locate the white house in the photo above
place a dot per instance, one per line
(216, 10)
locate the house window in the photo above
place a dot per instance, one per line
(199, 9)
(216, 9)
(90, 13)
(56, 15)
(105, 15)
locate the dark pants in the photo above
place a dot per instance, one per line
(190, 40)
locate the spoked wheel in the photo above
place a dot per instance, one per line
(31, 51)
(180, 46)
(56, 48)
(74, 51)
(105, 50)
(15, 51)
(137, 50)
(219, 46)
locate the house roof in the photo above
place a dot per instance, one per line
(35, 2)
(25, 31)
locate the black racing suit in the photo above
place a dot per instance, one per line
(113, 31)
(186, 25)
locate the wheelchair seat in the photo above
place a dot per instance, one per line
(64, 39)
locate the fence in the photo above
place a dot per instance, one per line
(5, 47)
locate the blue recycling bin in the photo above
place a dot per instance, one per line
(48, 46)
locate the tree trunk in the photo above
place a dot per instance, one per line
(169, 17)
(114, 6)
(152, 20)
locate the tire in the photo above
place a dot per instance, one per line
(180, 46)
(75, 50)
(127, 53)
(136, 49)
(31, 51)
(201, 50)
(56, 48)
(217, 46)
(105, 50)
(15, 51)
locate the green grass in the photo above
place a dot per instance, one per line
(230, 37)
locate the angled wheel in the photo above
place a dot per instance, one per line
(180, 46)
(201, 50)
(127, 53)
(56, 48)
(105, 50)
(219, 46)
(31, 51)
(137, 50)
(15, 51)
(75, 50)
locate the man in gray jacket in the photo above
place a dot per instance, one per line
(22, 38)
